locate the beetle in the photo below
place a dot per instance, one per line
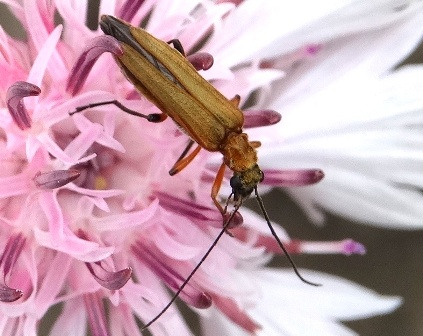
(165, 77)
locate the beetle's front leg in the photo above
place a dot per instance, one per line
(216, 187)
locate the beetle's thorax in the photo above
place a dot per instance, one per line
(237, 152)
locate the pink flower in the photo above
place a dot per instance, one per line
(89, 214)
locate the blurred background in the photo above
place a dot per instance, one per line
(393, 264)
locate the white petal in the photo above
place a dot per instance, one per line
(366, 136)
(357, 19)
(289, 307)
(374, 53)
(256, 27)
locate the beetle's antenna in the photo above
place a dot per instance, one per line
(272, 230)
(203, 258)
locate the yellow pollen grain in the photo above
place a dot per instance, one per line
(100, 183)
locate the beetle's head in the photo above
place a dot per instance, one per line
(243, 183)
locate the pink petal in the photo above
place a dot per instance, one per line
(228, 307)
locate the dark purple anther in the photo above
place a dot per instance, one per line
(14, 101)
(55, 178)
(259, 118)
(107, 279)
(201, 60)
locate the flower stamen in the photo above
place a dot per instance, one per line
(96, 47)
(201, 60)
(261, 118)
(107, 279)
(10, 254)
(14, 99)
(55, 178)
(292, 178)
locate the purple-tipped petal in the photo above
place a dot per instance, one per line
(161, 266)
(346, 247)
(55, 178)
(201, 60)
(312, 49)
(96, 315)
(261, 118)
(352, 247)
(107, 279)
(292, 178)
(129, 9)
(199, 214)
(14, 100)
(85, 62)
(10, 254)
(204, 301)
(296, 246)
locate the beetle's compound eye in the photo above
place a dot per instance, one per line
(235, 183)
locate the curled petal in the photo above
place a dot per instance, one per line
(14, 99)
(201, 60)
(292, 178)
(107, 279)
(261, 118)
(85, 62)
(55, 178)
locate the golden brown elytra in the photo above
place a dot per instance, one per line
(165, 77)
(211, 120)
